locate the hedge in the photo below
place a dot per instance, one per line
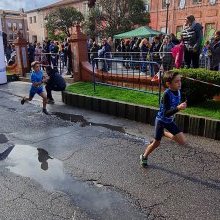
(197, 92)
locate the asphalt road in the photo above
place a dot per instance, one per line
(77, 164)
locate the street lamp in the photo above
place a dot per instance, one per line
(167, 7)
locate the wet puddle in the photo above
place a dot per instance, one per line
(83, 122)
(97, 201)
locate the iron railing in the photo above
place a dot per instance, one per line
(113, 73)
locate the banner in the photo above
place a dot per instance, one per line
(3, 77)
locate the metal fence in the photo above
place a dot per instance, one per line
(204, 61)
(55, 60)
(130, 58)
(114, 73)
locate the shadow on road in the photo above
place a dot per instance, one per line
(195, 180)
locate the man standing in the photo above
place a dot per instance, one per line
(214, 49)
(55, 82)
(105, 52)
(69, 57)
(192, 37)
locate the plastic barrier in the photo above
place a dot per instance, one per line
(3, 77)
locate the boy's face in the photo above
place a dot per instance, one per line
(175, 84)
(36, 68)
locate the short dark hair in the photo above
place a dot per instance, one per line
(190, 18)
(169, 76)
(217, 33)
(33, 64)
(49, 70)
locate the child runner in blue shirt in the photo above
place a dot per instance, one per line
(170, 104)
(37, 80)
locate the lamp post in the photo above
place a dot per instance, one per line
(167, 7)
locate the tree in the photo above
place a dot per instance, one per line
(120, 16)
(91, 24)
(60, 20)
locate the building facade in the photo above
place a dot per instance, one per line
(36, 17)
(206, 12)
(12, 22)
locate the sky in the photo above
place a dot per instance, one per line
(26, 4)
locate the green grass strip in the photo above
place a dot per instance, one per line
(209, 109)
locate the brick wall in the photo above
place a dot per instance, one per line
(205, 13)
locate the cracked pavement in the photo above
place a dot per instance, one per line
(180, 182)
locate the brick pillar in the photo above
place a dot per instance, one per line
(78, 42)
(21, 55)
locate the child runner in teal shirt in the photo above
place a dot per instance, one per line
(37, 80)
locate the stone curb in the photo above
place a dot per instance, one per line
(199, 126)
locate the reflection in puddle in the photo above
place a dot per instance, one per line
(98, 202)
(27, 161)
(43, 156)
(83, 122)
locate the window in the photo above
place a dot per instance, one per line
(146, 5)
(35, 19)
(196, 1)
(20, 26)
(209, 31)
(182, 4)
(30, 19)
(147, 8)
(9, 26)
(165, 3)
(179, 30)
(14, 27)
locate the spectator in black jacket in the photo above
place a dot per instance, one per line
(214, 49)
(69, 58)
(155, 48)
(155, 55)
(55, 82)
(174, 39)
(192, 38)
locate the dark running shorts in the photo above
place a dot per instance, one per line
(159, 129)
(34, 90)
